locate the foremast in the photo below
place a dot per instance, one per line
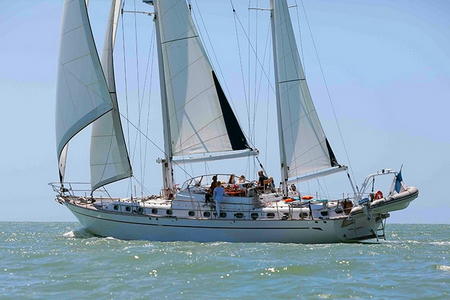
(167, 163)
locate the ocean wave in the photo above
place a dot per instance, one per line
(443, 268)
(441, 243)
(78, 234)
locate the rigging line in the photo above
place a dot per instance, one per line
(267, 120)
(300, 36)
(259, 62)
(248, 74)
(327, 90)
(219, 67)
(151, 56)
(251, 134)
(153, 143)
(138, 84)
(126, 87)
(260, 81)
(143, 187)
(240, 62)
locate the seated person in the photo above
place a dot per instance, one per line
(232, 179)
(242, 179)
(261, 179)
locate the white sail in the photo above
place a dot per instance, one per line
(109, 156)
(82, 93)
(304, 146)
(200, 117)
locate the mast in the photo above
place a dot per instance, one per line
(167, 165)
(283, 161)
(199, 123)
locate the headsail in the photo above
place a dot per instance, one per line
(109, 156)
(82, 92)
(200, 117)
(303, 144)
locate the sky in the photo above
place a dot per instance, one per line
(386, 65)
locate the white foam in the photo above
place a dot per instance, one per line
(443, 268)
(441, 243)
(69, 234)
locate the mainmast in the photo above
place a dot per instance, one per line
(283, 161)
(167, 168)
(199, 123)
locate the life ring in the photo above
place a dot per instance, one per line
(307, 197)
(289, 200)
(378, 195)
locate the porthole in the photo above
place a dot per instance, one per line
(239, 215)
(116, 207)
(140, 210)
(191, 213)
(154, 211)
(169, 212)
(254, 216)
(223, 214)
(207, 214)
(271, 215)
(127, 208)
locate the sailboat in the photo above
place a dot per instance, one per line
(200, 125)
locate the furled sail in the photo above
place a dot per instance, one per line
(200, 117)
(82, 92)
(109, 155)
(304, 146)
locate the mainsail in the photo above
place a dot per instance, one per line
(82, 91)
(303, 145)
(199, 115)
(109, 156)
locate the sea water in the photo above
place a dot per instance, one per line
(60, 260)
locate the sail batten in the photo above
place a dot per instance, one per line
(304, 147)
(82, 93)
(109, 155)
(199, 115)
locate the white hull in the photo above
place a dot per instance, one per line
(140, 227)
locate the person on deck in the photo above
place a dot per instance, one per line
(241, 179)
(232, 179)
(218, 197)
(210, 191)
(213, 184)
(261, 179)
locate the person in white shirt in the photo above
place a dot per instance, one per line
(218, 197)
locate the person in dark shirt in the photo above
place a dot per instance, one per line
(213, 184)
(261, 179)
(210, 191)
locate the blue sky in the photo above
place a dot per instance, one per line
(387, 65)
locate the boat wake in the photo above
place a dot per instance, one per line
(443, 268)
(78, 234)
